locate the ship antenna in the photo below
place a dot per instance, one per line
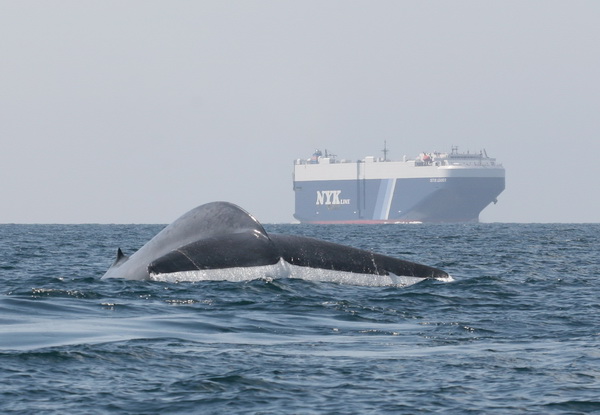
(385, 150)
(329, 155)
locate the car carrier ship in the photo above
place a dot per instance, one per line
(434, 187)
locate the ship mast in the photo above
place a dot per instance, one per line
(385, 150)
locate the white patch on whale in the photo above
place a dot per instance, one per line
(282, 269)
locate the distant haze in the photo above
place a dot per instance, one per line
(137, 111)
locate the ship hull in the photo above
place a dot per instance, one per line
(439, 198)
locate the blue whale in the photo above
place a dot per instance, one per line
(221, 241)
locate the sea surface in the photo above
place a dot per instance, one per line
(516, 332)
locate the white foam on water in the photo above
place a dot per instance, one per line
(285, 270)
(445, 279)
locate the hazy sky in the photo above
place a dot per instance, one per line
(137, 111)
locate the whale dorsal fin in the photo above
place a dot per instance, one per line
(121, 257)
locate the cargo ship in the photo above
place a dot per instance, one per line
(433, 187)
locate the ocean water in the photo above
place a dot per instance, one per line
(517, 331)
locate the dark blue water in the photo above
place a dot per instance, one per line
(518, 331)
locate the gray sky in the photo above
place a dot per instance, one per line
(137, 111)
